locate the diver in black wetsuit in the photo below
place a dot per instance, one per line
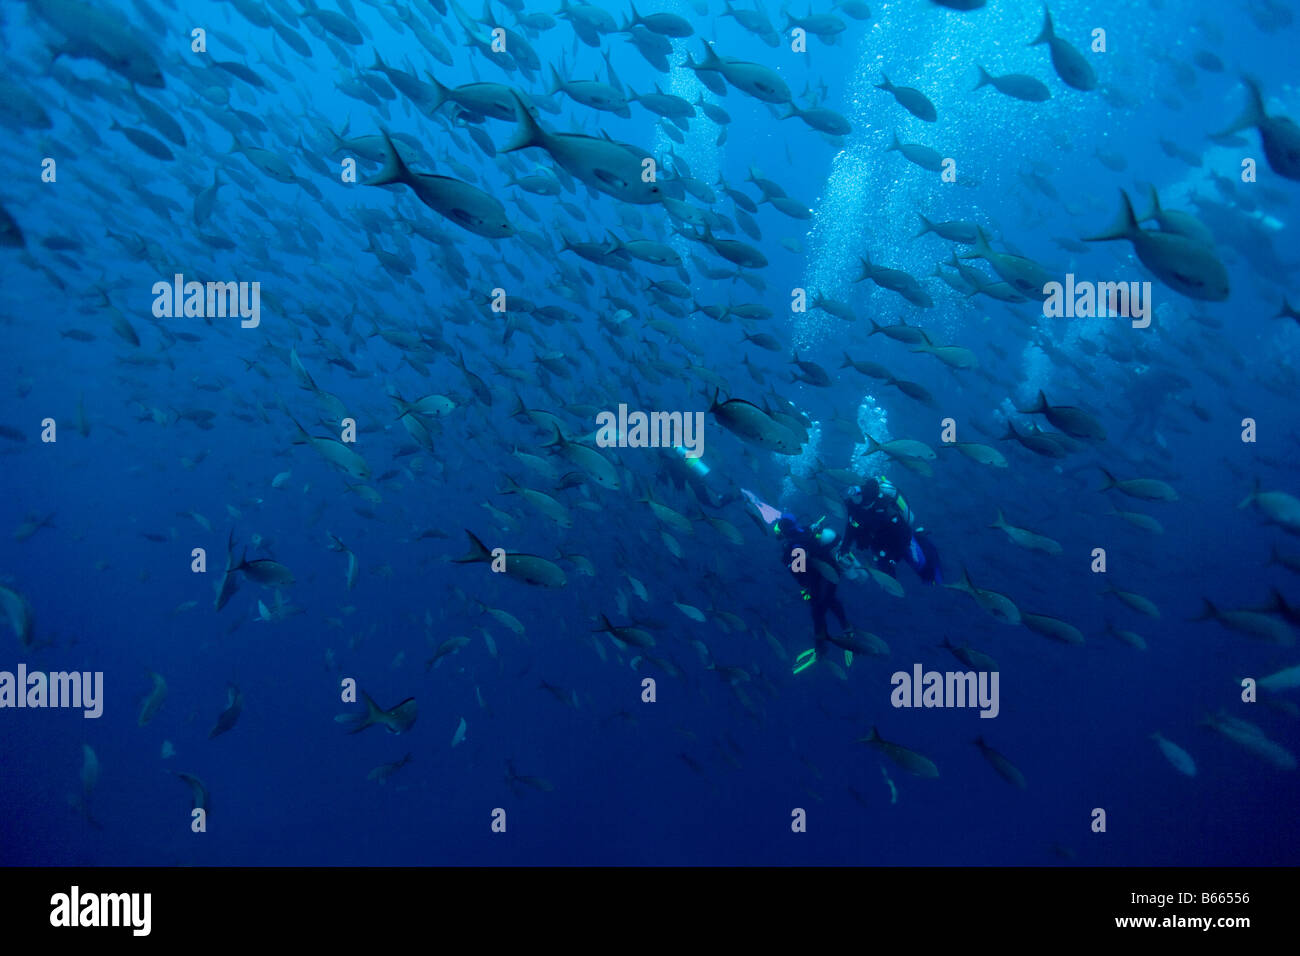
(879, 522)
(816, 588)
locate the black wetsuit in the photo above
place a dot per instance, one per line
(880, 524)
(817, 590)
(876, 524)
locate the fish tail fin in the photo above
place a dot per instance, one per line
(1111, 481)
(1254, 493)
(359, 722)
(710, 61)
(559, 438)
(1000, 521)
(985, 79)
(848, 362)
(373, 711)
(439, 93)
(556, 82)
(404, 407)
(477, 550)
(1125, 225)
(1209, 612)
(1156, 211)
(1253, 114)
(979, 742)
(379, 63)
(303, 437)
(528, 133)
(926, 226)
(1047, 34)
(895, 144)
(885, 85)
(394, 170)
(874, 736)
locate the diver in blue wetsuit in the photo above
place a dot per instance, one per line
(879, 522)
(809, 554)
(814, 586)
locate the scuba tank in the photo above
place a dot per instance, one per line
(694, 465)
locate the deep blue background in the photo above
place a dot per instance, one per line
(288, 786)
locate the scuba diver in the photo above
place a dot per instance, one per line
(684, 471)
(815, 586)
(879, 522)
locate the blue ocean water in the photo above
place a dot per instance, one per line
(176, 433)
